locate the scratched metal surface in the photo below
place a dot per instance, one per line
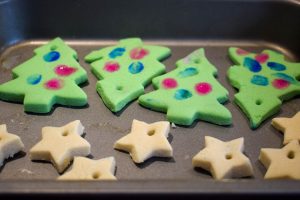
(19, 175)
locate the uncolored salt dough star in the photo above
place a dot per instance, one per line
(87, 169)
(289, 126)
(146, 140)
(10, 144)
(282, 163)
(223, 159)
(60, 144)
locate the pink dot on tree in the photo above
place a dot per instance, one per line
(261, 58)
(169, 83)
(54, 84)
(241, 52)
(111, 66)
(203, 88)
(280, 83)
(64, 70)
(138, 53)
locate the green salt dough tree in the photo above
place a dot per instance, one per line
(264, 80)
(190, 92)
(124, 70)
(50, 77)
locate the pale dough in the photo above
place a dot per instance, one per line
(282, 163)
(224, 159)
(10, 144)
(88, 169)
(59, 145)
(146, 140)
(289, 126)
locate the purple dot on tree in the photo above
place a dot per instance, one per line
(203, 88)
(169, 83)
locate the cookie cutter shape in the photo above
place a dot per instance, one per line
(10, 144)
(125, 69)
(282, 163)
(60, 145)
(50, 77)
(87, 169)
(146, 140)
(190, 92)
(289, 126)
(224, 160)
(264, 80)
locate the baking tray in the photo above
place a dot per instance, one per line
(183, 26)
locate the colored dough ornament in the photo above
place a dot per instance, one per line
(264, 80)
(190, 92)
(50, 77)
(125, 69)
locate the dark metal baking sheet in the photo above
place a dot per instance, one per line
(183, 26)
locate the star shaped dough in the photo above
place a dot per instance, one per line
(87, 169)
(10, 144)
(282, 163)
(223, 159)
(289, 126)
(146, 140)
(60, 144)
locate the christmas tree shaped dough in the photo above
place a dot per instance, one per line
(124, 70)
(282, 163)
(87, 169)
(10, 144)
(146, 140)
(50, 77)
(264, 80)
(224, 159)
(190, 92)
(60, 145)
(289, 126)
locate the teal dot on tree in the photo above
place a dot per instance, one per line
(252, 64)
(34, 79)
(51, 56)
(182, 94)
(260, 80)
(190, 71)
(136, 67)
(116, 52)
(276, 66)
